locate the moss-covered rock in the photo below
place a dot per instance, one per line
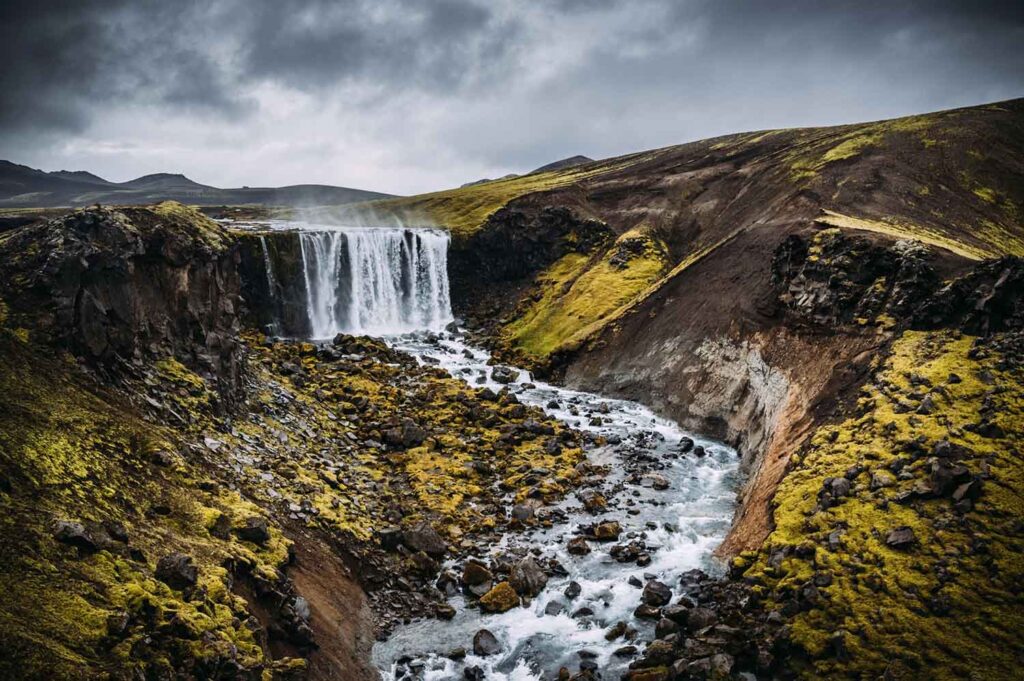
(915, 562)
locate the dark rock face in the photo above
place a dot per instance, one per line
(988, 299)
(274, 300)
(116, 284)
(516, 244)
(832, 279)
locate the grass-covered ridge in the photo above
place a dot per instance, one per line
(933, 454)
(579, 294)
(464, 210)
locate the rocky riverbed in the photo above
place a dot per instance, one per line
(587, 583)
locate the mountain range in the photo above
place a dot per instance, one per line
(21, 187)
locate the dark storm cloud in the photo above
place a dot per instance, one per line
(488, 85)
(66, 59)
(427, 45)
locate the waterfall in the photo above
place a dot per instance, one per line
(271, 283)
(377, 281)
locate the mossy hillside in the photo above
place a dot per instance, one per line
(578, 293)
(71, 452)
(806, 160)
(463, 211)
(862, 607)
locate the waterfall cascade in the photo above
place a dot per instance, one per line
(377, 281)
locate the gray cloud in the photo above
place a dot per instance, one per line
(409, 96)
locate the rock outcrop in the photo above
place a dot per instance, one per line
(116, 285)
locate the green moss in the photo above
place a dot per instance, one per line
(71, 453)
(578, 296)
(886, 599)
(986, 194)
(190, 221)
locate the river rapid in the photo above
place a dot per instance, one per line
(678, 527)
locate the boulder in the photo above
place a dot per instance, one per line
(701, 618)
(578, 546)
(901, 538)
(501, 598)
(528, 578)
(608, 530)
(485, 643)
(177, 571)
(74, 534)
(475, 573)
(656, 593)
(424, 537)
(254, 529)
(405, 435)
(504, 375)
(593, 501)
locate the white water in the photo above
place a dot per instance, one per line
(685, 523)
(375, 281)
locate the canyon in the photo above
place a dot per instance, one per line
(210, 471)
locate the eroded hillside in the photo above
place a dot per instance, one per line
(752, 286)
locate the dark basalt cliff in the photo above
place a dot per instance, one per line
(114, 285)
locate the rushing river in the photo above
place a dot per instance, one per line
(681, 526)
(394, 280)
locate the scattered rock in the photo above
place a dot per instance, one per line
(177, 571)
(501, 374)
(424, 537)
(74, 534)
(656, 593)
(485, 643)
(254, 529)
(501, 598)
(901, 538)
(475, 573)
(608, 530)
(527, 578)
(578, 546)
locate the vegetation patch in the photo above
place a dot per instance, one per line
(576, 294)
(898, 533)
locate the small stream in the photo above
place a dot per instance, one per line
(679, 526)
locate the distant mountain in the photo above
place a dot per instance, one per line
(24, 187)
(564, 163)
(554, 165)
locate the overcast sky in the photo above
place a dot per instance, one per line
(407, 97)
